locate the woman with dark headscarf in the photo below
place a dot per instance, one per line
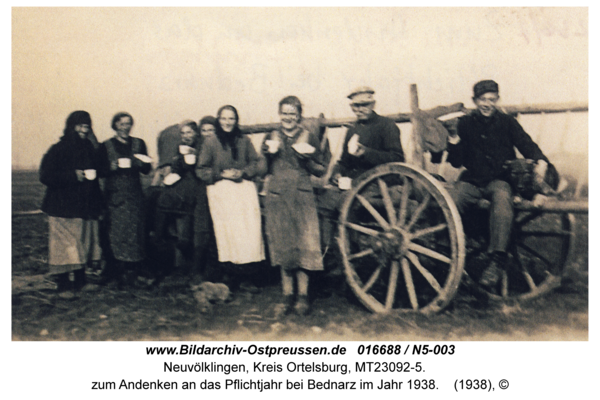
(227, 164)
(73, 202)
(122, 159)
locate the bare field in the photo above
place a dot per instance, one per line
(170, 312)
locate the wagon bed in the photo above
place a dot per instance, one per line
(403, 244)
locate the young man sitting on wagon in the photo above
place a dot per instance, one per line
(484, 141)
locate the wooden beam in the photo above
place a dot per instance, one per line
(405, 117)
(417, 158)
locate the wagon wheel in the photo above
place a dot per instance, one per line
(537, 255)
(401, 240)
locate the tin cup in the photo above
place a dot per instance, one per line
(90, 174)
(124, 162)
(345, 183)
(190, 159)
(184, 149)
(273, 145)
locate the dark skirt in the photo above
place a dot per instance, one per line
(126, 219)
(292, 227)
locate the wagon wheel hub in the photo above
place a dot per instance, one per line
(392, 244)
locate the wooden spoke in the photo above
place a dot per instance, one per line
(418, 211)
(429, 230)
(523, 270)
(372, 279)
(529, 280)
(387, 201)
(527, 218)
(426, 274)
(391, 293)
(373, 212)
(410, 285)
(361, 254)
(362, 229)
(406, 188)
(535, 254)
(429, 253)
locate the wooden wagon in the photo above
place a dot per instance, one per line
(402, 241)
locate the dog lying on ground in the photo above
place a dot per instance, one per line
(208, 293)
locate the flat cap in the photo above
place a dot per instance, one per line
(485, 86)
(362, 94)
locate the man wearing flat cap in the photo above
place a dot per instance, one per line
(373, 140)
(483, 142)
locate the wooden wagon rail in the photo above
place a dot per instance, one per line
(552, 206)
(406, 117)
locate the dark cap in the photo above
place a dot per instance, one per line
(483, 87)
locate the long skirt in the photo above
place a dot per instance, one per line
(293, 230)
(236, 219)
(72, 243)
(126, 230)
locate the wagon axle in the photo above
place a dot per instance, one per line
(392, 244)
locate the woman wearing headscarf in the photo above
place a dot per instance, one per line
(122, 159)
(73, 202)
(292, 225)
(227, 164)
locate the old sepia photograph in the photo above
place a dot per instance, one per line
(305, 174)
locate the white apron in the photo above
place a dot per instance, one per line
(235, 212)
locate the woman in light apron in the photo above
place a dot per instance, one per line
(227, 164)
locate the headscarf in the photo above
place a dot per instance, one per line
(229, 138)
(77, 118)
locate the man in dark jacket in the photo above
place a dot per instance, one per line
(373, 140)
(485, 140)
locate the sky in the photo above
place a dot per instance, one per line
(164, 65)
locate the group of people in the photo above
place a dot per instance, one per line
(75, 202)
(206, 185)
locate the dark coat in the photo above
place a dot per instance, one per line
(486, 143)
(181, 197)
(380, 136)
(292, 224)
(66, 197)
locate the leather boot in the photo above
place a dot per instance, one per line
(492, 274)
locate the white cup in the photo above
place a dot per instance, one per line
(184, 149)
(190, 159)
(124, 162)
(90, 174)
(273, 145)
(345, 183)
